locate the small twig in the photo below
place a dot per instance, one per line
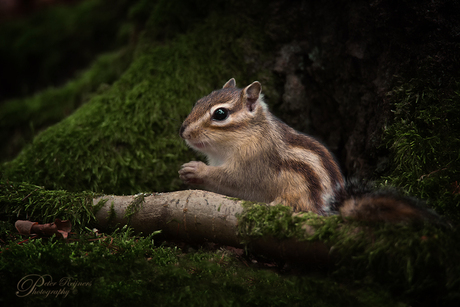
(28, 195)
(433, 172)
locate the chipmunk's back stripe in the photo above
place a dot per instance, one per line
(296, 139)
(328, 161)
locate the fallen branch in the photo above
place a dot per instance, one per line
(200, 216)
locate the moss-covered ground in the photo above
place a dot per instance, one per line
(113, 129)
(375, 264)
(120, 269)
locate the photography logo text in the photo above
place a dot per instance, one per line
(43, 285)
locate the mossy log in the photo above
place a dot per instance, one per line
(201, 216)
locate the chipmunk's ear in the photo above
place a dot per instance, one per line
(251, 94)
(230, 83)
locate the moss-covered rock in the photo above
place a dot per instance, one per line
(22, 118)
(124, 140)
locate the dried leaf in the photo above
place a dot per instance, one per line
(24, 227)
(60, 228)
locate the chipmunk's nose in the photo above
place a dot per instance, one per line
(181, 131)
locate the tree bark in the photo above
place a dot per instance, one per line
(201, 216)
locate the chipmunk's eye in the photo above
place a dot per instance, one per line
(220, 114)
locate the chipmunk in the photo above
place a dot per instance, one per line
(254, 156)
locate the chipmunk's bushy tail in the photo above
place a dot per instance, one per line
(362, 201)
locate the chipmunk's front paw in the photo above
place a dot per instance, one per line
(193, 172)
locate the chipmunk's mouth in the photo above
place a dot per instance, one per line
(197, 145)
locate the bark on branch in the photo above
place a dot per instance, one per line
(200, 216)
(191, 215)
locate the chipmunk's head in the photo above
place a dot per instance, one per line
(224, 120)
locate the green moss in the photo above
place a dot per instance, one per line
(258, 220)
(21, 119)
(134, 206)
(120, 269)
(112, 214)
(28, 201)
(424, 141)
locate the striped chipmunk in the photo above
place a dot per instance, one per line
(254, 156)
